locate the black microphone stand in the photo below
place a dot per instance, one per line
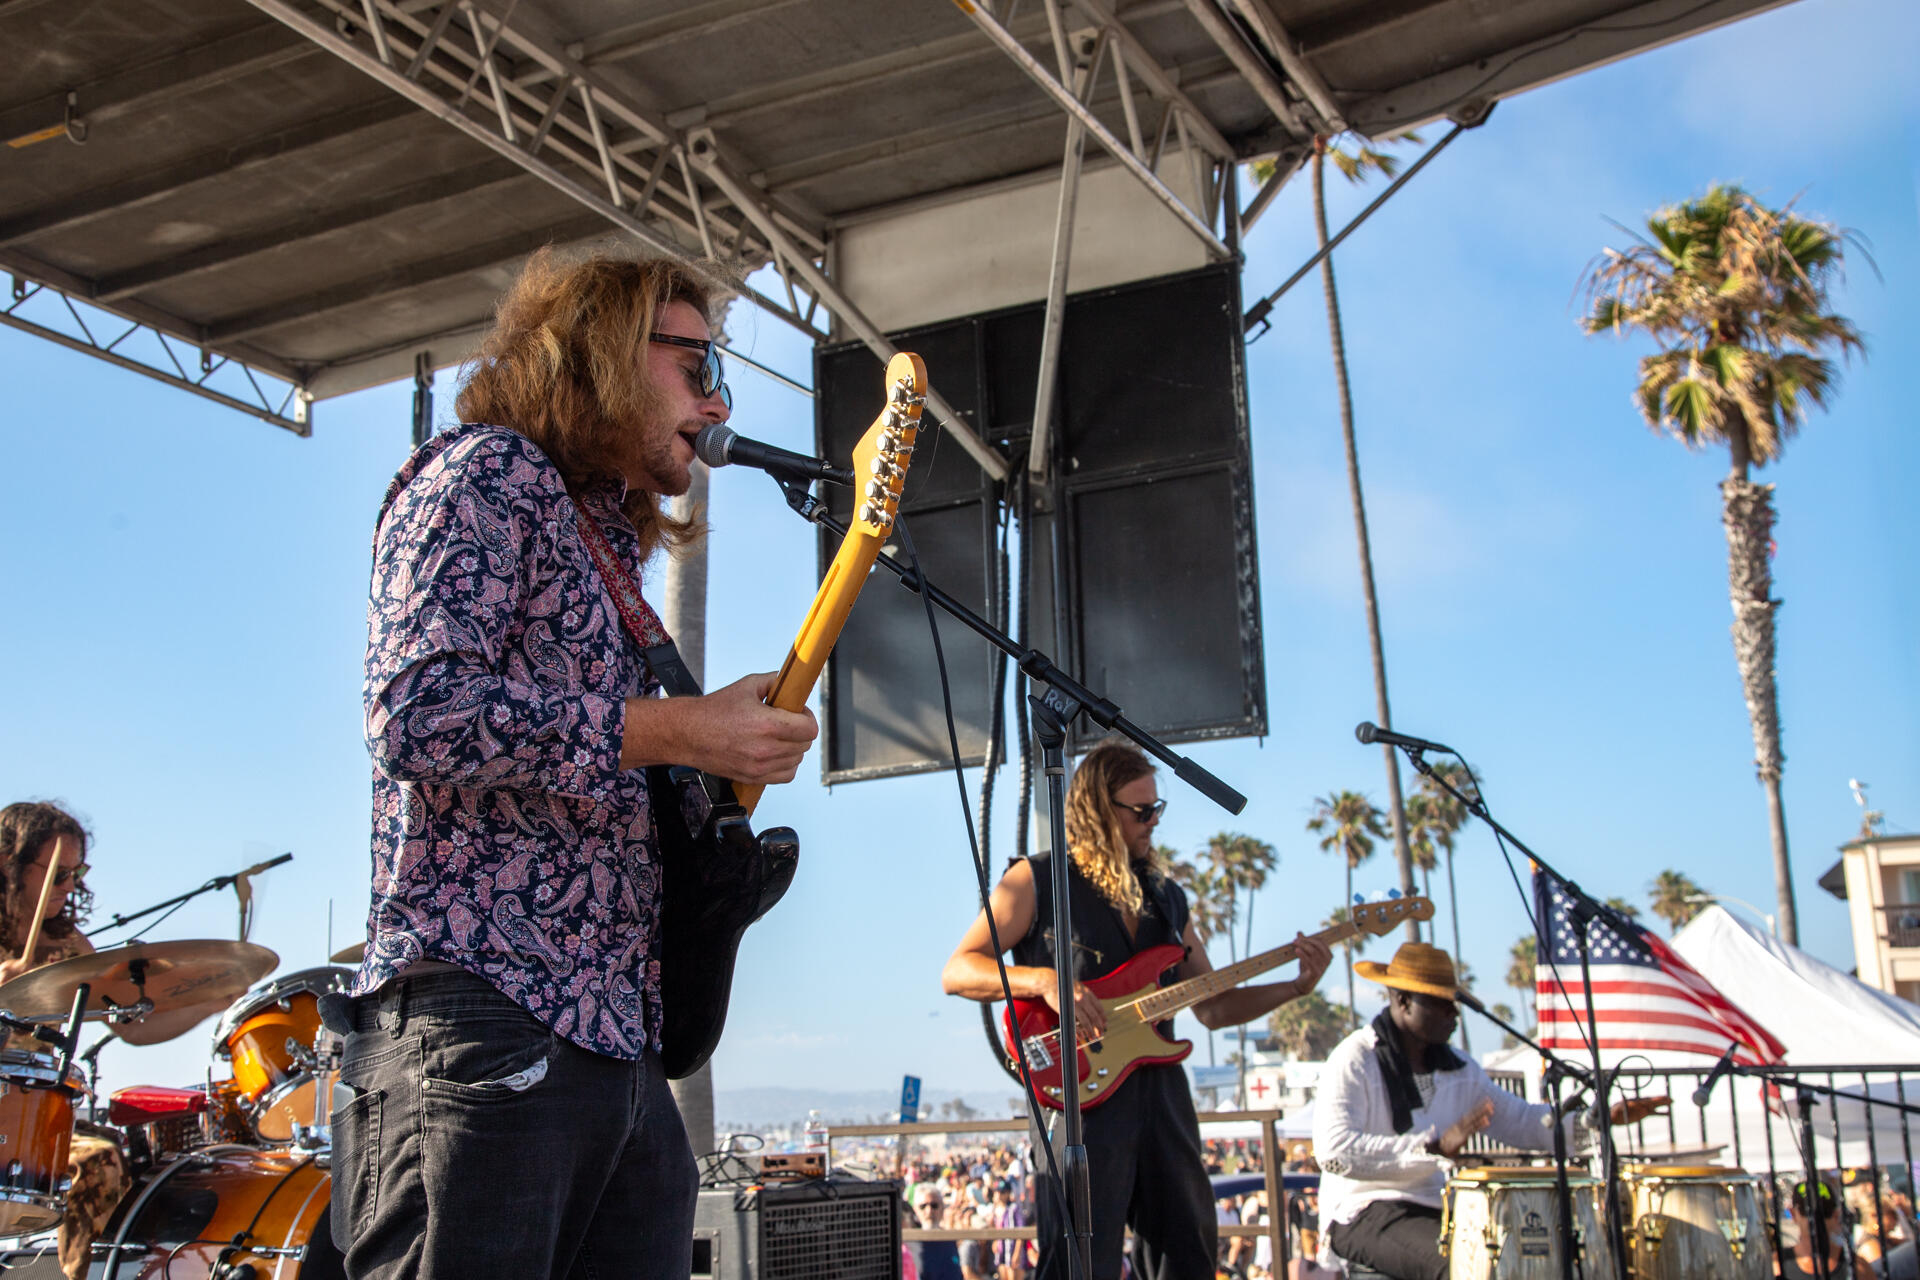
(1556, 1069)
(211, 886)
(1583, 910)
(1061, 701)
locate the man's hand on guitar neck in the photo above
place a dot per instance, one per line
(731, 733)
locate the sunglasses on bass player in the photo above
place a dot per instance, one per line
(708, 377)
(1143, 813)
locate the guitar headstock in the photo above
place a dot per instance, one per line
(886, 449)
(1382, 918)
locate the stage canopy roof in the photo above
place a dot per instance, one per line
(331, 193)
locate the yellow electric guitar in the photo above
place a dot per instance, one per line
(718, 877)
(881, 458)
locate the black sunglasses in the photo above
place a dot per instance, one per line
(709, 378)
(1143, 812)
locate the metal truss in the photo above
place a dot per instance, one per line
(1179, 118)
(291, 410)
(509, 83)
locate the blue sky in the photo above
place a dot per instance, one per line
(188, 585)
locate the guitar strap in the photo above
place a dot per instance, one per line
(642, 624)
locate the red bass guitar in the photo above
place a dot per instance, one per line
(1135, 1001)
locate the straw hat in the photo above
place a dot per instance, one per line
(1417, 967)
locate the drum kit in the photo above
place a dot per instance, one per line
(231, 1177)
(1684, 1222)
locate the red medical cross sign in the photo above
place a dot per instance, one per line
(1260, 1089)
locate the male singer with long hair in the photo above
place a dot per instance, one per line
(509, 1113)
(1143, 1140)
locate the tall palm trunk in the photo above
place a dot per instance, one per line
(1747, 514)
(683, 611)
(1453, 903)
(1396, 803)
(1353, 1009)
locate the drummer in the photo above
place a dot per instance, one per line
(32, 835)
(1395, 1108)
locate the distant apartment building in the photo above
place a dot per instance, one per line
(1879, 878)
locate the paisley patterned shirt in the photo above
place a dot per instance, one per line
(506, 838)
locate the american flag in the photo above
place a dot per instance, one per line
(1642, 999)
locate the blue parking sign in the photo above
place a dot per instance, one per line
(909, 1099)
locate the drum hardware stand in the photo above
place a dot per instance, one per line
(1582, 911)
(1062, 701)
(211, 886)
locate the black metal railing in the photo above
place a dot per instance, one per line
(1902, 924)
(1861, 1126)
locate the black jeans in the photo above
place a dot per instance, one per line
(480, 1144)
(1148, 1172)
(1397, 1238)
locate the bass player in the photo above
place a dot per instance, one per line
(510, 1114)
(1143, 1141)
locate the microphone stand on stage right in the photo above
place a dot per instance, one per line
(1582, 911)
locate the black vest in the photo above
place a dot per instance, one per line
(1100, 942)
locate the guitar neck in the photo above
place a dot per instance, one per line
(1167, 1001)
(883, 454)
(818, 633)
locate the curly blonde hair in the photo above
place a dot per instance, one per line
(562, 366)
(1093, 832)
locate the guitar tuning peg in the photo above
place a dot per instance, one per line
(879, 492)
(883, 469)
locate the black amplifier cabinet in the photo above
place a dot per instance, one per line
(827, 1229)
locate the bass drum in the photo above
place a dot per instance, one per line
(181, 1221)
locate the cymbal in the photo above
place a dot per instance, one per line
(350, 955)
(188, 980)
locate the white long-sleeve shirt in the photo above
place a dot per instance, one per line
(1363, 1160)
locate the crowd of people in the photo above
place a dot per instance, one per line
(1873, 1233)
(963, 1191)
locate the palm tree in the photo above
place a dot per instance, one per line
(1351, 824)
(1735, 293)
(1209, 907)
(1523, 961)
(1673, 897)
(1355, 166)
(1240, 862)
(1243, 863)
(1445, 816)
(1500, 1011)
(1422, 839)
(1624, 907)
(1308, 1028)
(1206, 895)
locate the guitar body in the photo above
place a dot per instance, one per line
(1136, 1003)
(717, 877)
(1105, 1064)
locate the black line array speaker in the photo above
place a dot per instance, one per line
(819, 1229)
(1143, 582)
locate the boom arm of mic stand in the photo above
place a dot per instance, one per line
(1036, 665)
(211, 886)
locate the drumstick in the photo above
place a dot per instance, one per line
(46, 895)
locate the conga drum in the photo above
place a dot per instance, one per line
(1503, 1224)
(1695, 1221)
